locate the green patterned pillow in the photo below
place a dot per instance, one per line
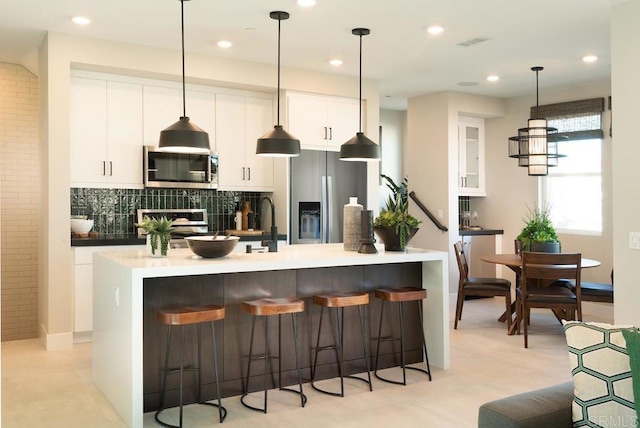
(603, 391)
(632, 338)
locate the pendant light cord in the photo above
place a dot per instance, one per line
(184, 95)
(278, 94)
(360, 95)
(537, 94)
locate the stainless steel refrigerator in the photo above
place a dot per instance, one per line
(321, 184)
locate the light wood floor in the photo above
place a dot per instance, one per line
(54, 389)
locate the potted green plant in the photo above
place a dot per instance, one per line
(395, 226)
(158, 231)
(539, 234)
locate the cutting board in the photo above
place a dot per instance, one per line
(233, 232)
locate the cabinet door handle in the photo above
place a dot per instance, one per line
(104, 167)
(325, 132)
(110, 169)
(330, 133)
(242, 173)
(249, 174)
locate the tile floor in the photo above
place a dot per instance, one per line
(54, 389)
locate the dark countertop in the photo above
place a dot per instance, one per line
(132, 239)
(464, 232)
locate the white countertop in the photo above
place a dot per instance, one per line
(184, 262)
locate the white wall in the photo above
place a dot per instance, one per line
(58, 55)
(625, 38)
(432, 152)
(393, 147)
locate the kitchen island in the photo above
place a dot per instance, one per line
(129, 286)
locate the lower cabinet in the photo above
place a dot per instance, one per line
(83, 288)
(477, 246)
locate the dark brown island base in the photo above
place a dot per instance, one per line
(130, 287)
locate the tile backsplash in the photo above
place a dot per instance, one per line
(114, 210)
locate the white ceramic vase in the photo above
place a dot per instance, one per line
(351, 225)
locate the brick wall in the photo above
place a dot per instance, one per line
(19, 202)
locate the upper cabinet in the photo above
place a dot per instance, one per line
(471, 175)
(163, 107)
(322, 122)
(240, 121)
(106, 133)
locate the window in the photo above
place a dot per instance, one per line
(573, 189)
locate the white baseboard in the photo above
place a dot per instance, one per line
(55, 342)
(82, 337)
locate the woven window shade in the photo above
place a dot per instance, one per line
(576, 120)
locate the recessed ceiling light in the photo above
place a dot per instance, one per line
(224, 44)
(493, 78)
(306, 3)
(435, 29)
(81, 20)
(335, 62)
(590, 58)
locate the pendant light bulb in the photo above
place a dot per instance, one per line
(360, 148)
(184, 136)
(278, 142)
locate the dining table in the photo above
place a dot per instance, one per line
(514, 262)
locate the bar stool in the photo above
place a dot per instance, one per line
(266, 308)
(339, 301)
(182, 316)
(401, 295)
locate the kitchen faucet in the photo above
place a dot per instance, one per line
(272, 243)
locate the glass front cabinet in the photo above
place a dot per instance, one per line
(471, 156)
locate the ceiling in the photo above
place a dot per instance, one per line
(398, 53)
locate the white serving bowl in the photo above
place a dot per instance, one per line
(81, 226)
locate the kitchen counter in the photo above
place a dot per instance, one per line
(133, 239)
(125, 280)
(466, 232)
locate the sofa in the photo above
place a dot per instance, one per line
(548, 407)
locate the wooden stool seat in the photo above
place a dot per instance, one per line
(185, 315)
(266, 307)
(180, 317)
(341, 300)
(401, 294)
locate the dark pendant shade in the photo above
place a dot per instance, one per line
(359, 148)
(278, 143)
(184, 137)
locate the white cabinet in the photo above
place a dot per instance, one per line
(471, 157)
(105, 133)
(240, 121)
(322, 122)
(83, 288)
(163, 107)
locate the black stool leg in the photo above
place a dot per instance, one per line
(163, 384)
(266, 359)
(303, 398)
(424, 340)
(181, 369)
(315, 358)
(364, 346)
(402, 356)
(222, 412)
(375, 369)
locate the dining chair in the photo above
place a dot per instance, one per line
(596, 291)
(539, 289)
(482, 287)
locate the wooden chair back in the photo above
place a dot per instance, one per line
(546, 268)
(463, 266)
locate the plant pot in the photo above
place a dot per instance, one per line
(161, 246)
(391, 239)
(545, 247)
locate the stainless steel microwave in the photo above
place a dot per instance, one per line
(180, 170)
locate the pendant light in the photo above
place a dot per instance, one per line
(278, 142)
(536, 146)
(360, 148)
(184, 136)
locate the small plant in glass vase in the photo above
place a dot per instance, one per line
(158, 231)
(395, 226)
(539, 234)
